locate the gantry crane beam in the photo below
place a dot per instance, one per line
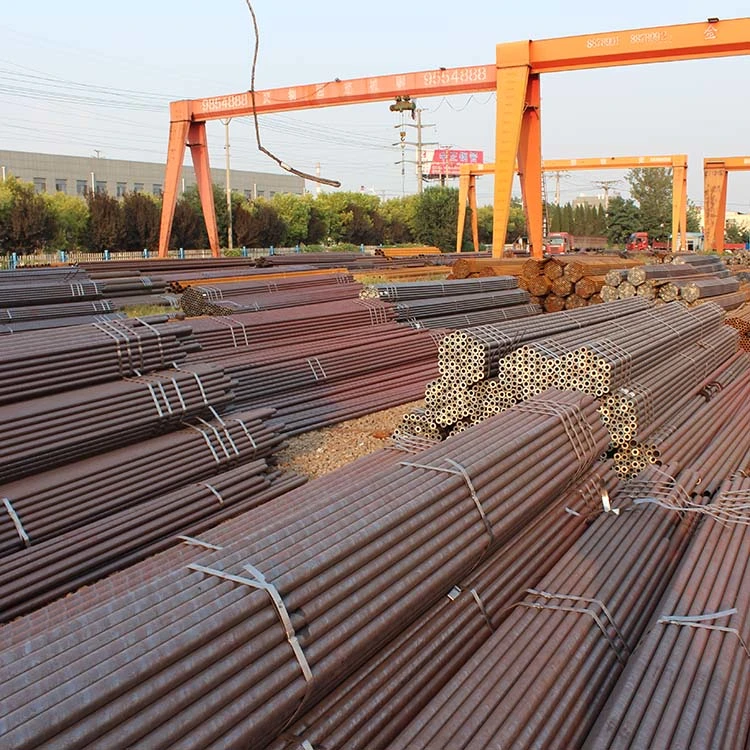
(514, 76)
(715, 176)
(676, 162)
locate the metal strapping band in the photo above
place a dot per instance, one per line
(129, 334)
(200, 386)
(312, 361)
(259, 582)
(229, 322)
(215, 492)
(618, 648)
(217, 434)
(247, 434)
(154, 397)
(104, 326)
(165, 396)
(482, 609)
(179, 394)
(460, 471)
(156, 333)
(16, 521)
(193, 542)
(655, 489)
(698, 621)
(619, 359)
(207, 439)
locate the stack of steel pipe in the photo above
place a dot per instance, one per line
(431, 289)
(687, 684)
(65, 310)
(193, 302)
(223, 529)
(371, 707)
(477, 318)
(127, 286)
(23, 292)
(52, 502)
(276, 619)
(50, 430)
(429, 308)
(272, 328)
(634, 408)
(470, 362)
(37, 363)
(692, 291)
(51, 275)
(740, 320)
(179, 281)
(474, 267)
(50, 569)
(272, 372)
(66, 322)
(224, 290)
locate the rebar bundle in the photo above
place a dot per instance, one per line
(44, 432)
(229, 649)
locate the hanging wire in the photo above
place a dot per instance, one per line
(261, 147)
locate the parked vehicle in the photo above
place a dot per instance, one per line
(640, 242)
(564, 242)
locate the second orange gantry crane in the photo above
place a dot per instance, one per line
(515, 76)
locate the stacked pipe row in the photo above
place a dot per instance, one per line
(201, 301)
(34, 291)
(468, 389)
(478, 317)
(53, 502)
(371, 707)
(47, 431)
(687, 683)
(690, 281)
(740, 320)
(476, 267)
(355, 566)
(38, 363)
(431, 289)
(409, 310)
(568, 282)
(543, 677)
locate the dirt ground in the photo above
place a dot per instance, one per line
(317, 453)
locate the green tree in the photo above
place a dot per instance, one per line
(351, 217)
(651, 189)
(295, 211)
(258, 224)
(105, 230)
(693, 217)
(516, 221)
(141, 215)
(436, 218)
(485, 224)
(30, 224)
(398, 220)
(188, 227)
(734, 232)
(623, 218)
(71, 219)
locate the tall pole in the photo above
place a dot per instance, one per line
(228, 188)
(419, 151)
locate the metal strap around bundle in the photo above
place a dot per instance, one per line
(317, 368)
(457, 469)
(214, 492)
(120, 337)
(456, 591)
(207, 437)
(258, 581)
(156, 333)
(193, 542)
(377, 313)
(576, 427)
(700, 621)
(643, 401)
(230, 323)
(603, 618)
(617, 357)
(16, 522)
(235, 451)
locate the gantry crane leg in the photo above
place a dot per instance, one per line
(715, 207)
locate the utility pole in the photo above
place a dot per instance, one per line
(228, 188)
(605, 185)
(419, 145)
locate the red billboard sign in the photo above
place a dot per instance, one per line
(446, 162)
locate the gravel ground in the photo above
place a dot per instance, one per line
(317, 453)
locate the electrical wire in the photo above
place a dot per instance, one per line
(283, 165)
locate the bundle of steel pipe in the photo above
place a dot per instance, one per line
(193, 302)
(429, 308)
(73, 320)
(355, 567)
(50, 275)
(687, 684)
(222, 529)
(740, 320)
(23, 292)
(37, 363)
(224, 290)
(65, 310)
(477, 318)
(430, 289)
(50, 569)
(50, 430)
(371, 707)
(127, 286)
(264, 329)
(155, 300)
(179, 281)
(693, 290)
(473, 267)
(49, 503)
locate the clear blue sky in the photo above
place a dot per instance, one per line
(83, 76)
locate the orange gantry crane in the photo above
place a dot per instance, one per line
(514, 76)
(715, 174)
(676, 162)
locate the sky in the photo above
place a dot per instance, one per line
(89, 78)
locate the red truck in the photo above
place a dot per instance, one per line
(639, 242)
(564, 242)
